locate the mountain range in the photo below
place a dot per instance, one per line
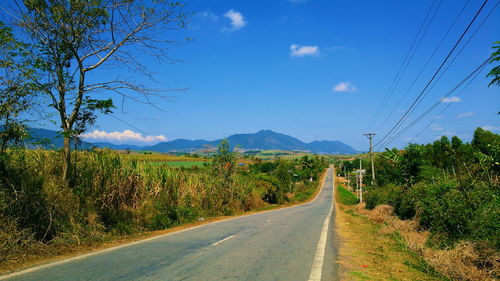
(262, 140)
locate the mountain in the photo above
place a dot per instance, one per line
(330, 147)
(49, 139)
(116, 146)
(262, 140)
(266, 140)
(179, 145)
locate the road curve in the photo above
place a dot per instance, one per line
(295, 243)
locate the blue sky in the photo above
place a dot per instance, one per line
(313, 69)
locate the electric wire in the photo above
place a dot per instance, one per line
(140, 130)
(453, 60)
(472, 75)
(410, 109)
(424, 67)
(406, 60)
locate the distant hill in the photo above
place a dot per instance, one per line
(267, 140)
(262, 140)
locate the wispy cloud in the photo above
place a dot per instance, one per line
(466, 114)
(300, 51)
(208, 15)
(436, 127)
(237, 20)
(298, 1)
(491, 128)
(449, 134)
(344, 87)
(451, 99)
(122, 137)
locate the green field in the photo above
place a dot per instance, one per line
(181, 164)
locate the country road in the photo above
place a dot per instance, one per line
(295, 243)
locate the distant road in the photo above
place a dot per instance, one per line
(288, 244)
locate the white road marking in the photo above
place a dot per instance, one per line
(218, 242)
(317, 265)
(6, 276)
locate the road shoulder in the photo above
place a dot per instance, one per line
(368, 252)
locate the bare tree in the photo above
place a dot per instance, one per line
(76, 37)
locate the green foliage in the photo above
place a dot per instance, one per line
(450, 187)
(285, 176)
(346, 197)
(17, 89)
(111, 195)
(495, 72)
(410, 164)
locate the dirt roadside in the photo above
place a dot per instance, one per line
(368, 252)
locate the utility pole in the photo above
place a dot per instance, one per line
(370, 137)
(360, 182)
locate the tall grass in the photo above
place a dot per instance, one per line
(110, 195)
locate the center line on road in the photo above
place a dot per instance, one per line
(218, 242)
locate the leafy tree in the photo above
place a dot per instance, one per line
(284, 173)
(410, 164)
(495, 72)
(77, 38)
(484, 140)
(224, 166)
(16, 91)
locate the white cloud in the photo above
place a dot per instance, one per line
(491, 128)
(344, 87)
(449, 133)
(236, 18)
(436, 127)
(208, 15)
(466, 114)
(300, 51)
(451, 99)
(123, 137)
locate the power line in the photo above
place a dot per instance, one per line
(433, 77)
(424, 67)
(447, 67)
(447, 106)
(472, 74)
(406, 61)
(140, 130)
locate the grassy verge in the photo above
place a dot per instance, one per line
(368, 252)
(345, 196)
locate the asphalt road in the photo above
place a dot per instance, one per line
(295, 243)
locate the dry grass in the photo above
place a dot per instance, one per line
(367, 252)
(158, 157)
(465, 261)
(461, 262)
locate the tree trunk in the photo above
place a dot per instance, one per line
(67, 159)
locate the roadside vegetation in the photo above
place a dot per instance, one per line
(370, 250)
(448, 192)
(113, 194)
